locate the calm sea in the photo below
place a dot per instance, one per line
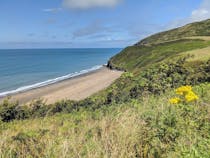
(25, 69)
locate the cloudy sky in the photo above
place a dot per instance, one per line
(91, 23)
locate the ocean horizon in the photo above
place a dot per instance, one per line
(25, 69)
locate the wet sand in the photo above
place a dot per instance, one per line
(77, 88)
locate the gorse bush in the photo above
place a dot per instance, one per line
(10, 111)
(159, 79)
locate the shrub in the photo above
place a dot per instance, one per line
(65, 106)
(23, 112)
(8, 111)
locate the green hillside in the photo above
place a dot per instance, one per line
(142, 114)
(161, 46)
(140, 57)
(195, 29)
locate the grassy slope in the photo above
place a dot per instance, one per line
(163, 45)
(147, 126)
(142, 128)
(195, 29)
(199, 54)
(136, 57)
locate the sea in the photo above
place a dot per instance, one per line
(25, 69)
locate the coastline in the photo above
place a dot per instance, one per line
(49, 81)
(75, 88)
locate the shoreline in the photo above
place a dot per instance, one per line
(50, 81)
(75, 88)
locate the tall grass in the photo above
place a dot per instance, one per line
(146, 127)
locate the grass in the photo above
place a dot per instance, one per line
(206, 38)
(199, 54)
(133, 117)
(136, 57)
(144, 127)
(194, 29)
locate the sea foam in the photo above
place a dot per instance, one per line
(50, 81)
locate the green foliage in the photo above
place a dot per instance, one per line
(150, 127)
(131, 118)
(62, 106)
(159, 78)
(161, 46)
(136, 58)
(195, 29)
(10, 111)
(29, 144)
(155, 80)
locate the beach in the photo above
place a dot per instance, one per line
(76, 88)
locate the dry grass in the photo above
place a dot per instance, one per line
(70, 136)
(206, 38)
(199, 54)
(140, 128)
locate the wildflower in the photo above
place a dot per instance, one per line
(174, 100)
(191, 96)
(183, 90)
(187, 95)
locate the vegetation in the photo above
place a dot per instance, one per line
(195, 29)
(186, 95)
(146, 127)
(136, 58)
(139, 115)
(156, 80)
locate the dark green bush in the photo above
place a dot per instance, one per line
(65, 106)
(168, 75)
(23, 112)
(8, 111)
(39, 108)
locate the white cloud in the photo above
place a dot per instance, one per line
(54, 10)
(202, 13)
(86, 4)
(199, 14)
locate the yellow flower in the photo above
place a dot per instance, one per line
(191, 96)
(183, 90)
(174, 100)
(187, 95)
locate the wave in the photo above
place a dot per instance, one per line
(50, 81)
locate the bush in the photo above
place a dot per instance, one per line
(62, 106)
(8, 111)
(23, 112)
(160, 78)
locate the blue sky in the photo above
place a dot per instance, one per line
(91, 23)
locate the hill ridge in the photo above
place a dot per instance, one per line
(201, 28)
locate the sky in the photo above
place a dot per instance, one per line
(92, 23)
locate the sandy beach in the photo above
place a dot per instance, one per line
(75, 88)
